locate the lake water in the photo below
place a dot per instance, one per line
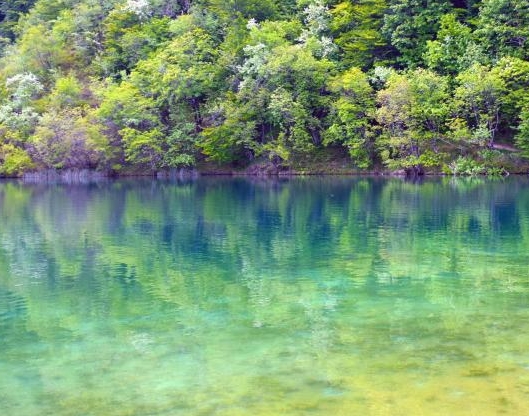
(317, 296)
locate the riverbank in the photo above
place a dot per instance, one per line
(326, 162)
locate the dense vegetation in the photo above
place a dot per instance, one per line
(157, 84)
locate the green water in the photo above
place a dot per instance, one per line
(335, 296)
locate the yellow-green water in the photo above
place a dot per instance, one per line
(335, 296)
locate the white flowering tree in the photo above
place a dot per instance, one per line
(315, 35)
(17, 113)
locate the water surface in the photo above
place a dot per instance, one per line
(237, 296)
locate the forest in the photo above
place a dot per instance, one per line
(121, 86)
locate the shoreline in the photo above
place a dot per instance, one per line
(86, 175)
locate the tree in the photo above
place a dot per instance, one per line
(522, 137)
(10, 12)
(452, 50)
(67, 93)
(297, 71)
(230, 10)
(39, 52)
(281, 97)
(233, 125)
(351, 115)
(18, 114)
(478, 100)
(14, 160)
(180, 76)
(356, 26)
(514, 74)
(67, 139)
(409, 24)
(165, 83)
(143, 147)
(412, 112)
(503, 28)
(131, 122)
(128, 39)
(315, 33)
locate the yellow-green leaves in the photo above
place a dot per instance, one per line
(413, 109)
(14, 160)
(351, 115)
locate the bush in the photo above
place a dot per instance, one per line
(14, 161)
(466, 166)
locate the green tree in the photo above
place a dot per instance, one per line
(67, 139)
(10, 12)
(281, 95)
(39, 52)
(356, 26)
(181, 76)
(297, 71)
(130, 121)
(409, 24)
(503, 28)
(14, 160)
(453, 50)
(478, 99)
(522, 136)
(128, 38)
(231, 10)
(316, 30)
(232, 128)
(143, 147)
(514, 74)
(351, 115)
(67, 92)
(413, 109)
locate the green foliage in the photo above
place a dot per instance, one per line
(451, 52)
(278, 105)
(413, 109)
(478, 99)
(430, 101)
(181, 74)
(351, 115)
(230, 10)
(14, 160)
(315, 33)
(357, 26)
(180, 147)
(410, 24)
(161, 84)
(129, 39)
(67, 139)
(522, 137)
(503, 27)
(40, 52)
(232, 127)
(124, 106)
(143, 147)
(178, 80)
(514, 74)
(68, 92)
(125, 109)
(485, 163)
(466, 166)
(10, 12)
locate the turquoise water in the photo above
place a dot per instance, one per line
(333, 296)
